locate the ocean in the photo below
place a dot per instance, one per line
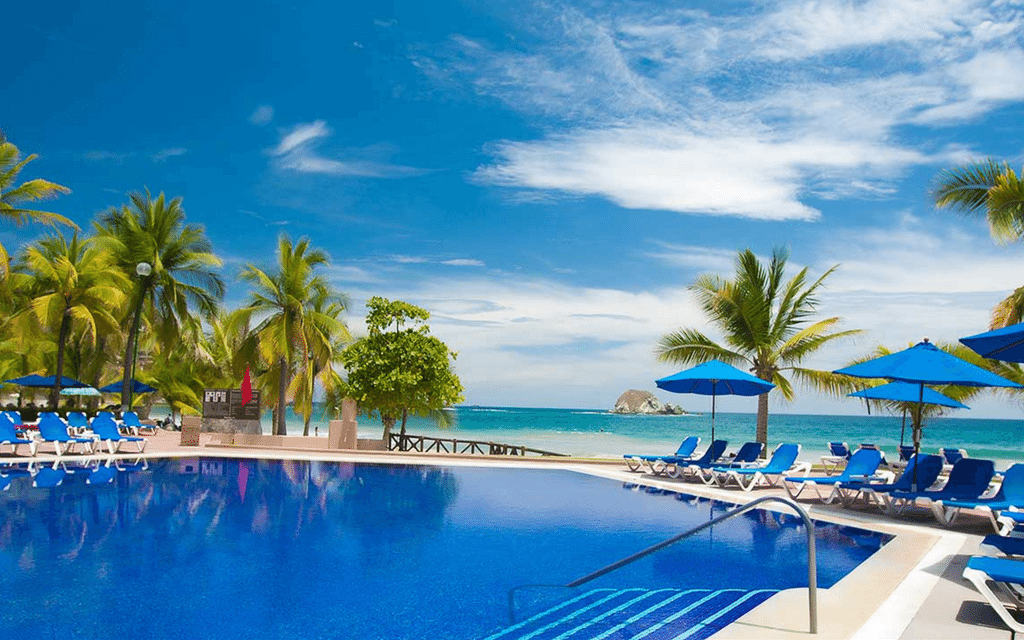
(590, 432)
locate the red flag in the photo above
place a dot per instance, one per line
(246, 388)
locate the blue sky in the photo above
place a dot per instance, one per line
(547, 178)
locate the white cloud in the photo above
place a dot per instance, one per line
(297, 152)
(463, 262)
(164, 154)
(262, 115)
(743, 114)
(99, 155)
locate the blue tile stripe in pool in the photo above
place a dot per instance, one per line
(638, 614)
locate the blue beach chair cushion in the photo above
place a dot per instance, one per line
(685, 450)
(106, 430)
(927, 472)
(1010, 495)
(8, 434)
(952, 455)
(969, 479)
(54, 430)
(781, 463)
(864, 462)
(1008, 574)
(709, 459)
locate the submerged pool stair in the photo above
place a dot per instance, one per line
(637, 614)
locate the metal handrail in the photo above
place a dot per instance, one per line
(812, 561)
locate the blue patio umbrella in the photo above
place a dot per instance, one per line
(714, 378)
(1006, 344)
(907, 392)
(922, 364)
(135, 385)
(35, 380)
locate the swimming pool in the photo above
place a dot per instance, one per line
(226, 548)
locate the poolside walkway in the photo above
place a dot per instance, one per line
(910, 589)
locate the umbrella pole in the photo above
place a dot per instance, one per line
(712, 415)
(903, 429)
(917, 432)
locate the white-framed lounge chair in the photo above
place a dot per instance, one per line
(924, 474)
(680, 468)
(968, 480)
(863, 465)
(747, 455)
(77, 421)
(952, 455)
(53, 430)
(1010, 496)
(838, 454)
(782, 463)
(637, 463)
(9, 435)
(106, 432)
(1008, 575)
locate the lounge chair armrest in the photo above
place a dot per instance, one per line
(800, 467)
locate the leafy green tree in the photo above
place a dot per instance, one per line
(767, 326)
(181, 279)
(991, 189)
(397, 369)
(298, 323)
(73, 283)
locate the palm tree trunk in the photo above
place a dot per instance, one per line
(305, 424)
(129, 352)
(762, 422)
(282, 392)
(65, 324)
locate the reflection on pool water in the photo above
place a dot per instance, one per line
(209, 547)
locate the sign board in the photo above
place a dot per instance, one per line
(227, 403)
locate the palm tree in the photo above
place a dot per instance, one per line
(328, 337)
(174, 264)
(73, 282)
(12, 198)
(294, 330)
(766, 322)
(992, 189)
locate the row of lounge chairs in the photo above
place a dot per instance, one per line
(840, 452)
(969, 486)
(87, 436)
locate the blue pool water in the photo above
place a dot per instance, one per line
(269, 549)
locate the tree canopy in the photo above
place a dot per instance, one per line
(399, 368)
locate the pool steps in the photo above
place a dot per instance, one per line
(637, 614)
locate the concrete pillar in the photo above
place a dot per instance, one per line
(343, 434)
(190, 428)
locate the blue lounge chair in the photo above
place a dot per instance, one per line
(636, 462)
(968, 480)
(9, 435)
(1006, 545)
(14, 416)
(106, 432)
(952, 455)
(862, 465)
(838, 454)
(783, 462)
(78, 421)
(1009, 575)
(53, 430)
(1010, 495)
(927, 472)
(130, 421)
(906, 452)
(748, 454)
(677, 467)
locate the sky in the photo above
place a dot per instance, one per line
(548, 178)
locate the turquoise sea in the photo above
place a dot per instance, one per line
(590, 432)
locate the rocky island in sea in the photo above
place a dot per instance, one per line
(637, 401)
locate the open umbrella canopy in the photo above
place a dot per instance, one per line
(1006, 344)
(924, 363)
(135, 385)
(45, 381)
(907, 392)
(80, 391)
(714, 378)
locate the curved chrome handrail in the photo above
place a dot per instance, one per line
(812, 561)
